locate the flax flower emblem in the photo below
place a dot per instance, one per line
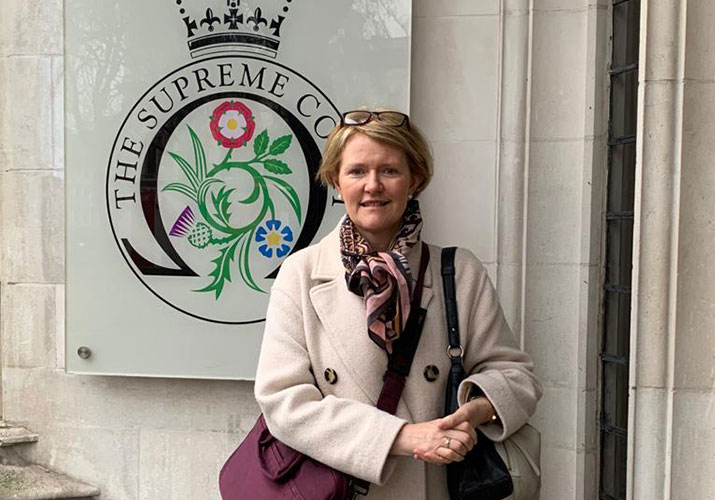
(272, 238)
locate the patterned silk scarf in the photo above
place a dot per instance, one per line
(382, 279)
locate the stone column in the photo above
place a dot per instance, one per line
(672, 405)
(563, 209)
(31, 183)
(512, 150)
(3, 167)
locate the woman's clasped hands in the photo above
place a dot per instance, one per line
(447, 439)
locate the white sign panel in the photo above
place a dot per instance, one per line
(194, 132)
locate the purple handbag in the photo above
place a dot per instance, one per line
(264, 468)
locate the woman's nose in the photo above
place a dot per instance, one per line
(374, 183)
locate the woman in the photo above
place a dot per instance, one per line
(337, 307)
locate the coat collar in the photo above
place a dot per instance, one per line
(342, 314)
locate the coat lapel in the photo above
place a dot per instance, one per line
(342, 315)
(343, 319)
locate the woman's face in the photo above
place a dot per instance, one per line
(375, 181)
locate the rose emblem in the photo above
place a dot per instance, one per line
(232, 124)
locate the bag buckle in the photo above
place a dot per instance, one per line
(357, 489)
(455, 352)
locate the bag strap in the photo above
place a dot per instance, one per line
(404, 348)
(450, 297)
(455, 351)
(400, 361)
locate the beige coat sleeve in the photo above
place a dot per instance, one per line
(492, 356)
(347, 435)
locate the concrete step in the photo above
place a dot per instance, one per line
(11, 435)
(34, 482)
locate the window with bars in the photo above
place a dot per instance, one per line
(619, 248)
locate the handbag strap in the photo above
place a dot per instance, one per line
(455, 351)
(404, 348)
(450, 298)
(400, 361)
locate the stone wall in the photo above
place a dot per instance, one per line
(513, 100)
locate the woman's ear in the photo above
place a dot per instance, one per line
(415, 185)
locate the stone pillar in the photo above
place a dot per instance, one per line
(31, 182)
(513, 147)
(3, 167)
(672, 406)
(565, 165)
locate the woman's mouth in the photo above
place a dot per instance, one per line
(373, 203)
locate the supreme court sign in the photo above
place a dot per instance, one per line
(193, 134)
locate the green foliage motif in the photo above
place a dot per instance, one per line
(213, 199)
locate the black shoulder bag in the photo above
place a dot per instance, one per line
(482, 475)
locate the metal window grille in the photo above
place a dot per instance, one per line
(619, 249)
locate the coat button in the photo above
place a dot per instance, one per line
(330, 375)
(431, 373)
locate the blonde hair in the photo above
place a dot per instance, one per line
(406, 138)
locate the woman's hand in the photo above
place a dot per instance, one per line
(429, 442)
(471, 414)
(477, 412)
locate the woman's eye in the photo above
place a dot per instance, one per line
(356, 171)
(391, 171)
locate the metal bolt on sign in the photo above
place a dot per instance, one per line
(84, 352)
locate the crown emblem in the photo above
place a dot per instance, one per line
(232, 28)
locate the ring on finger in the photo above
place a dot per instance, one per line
(446, 442)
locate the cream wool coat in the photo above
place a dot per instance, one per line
(314, 323)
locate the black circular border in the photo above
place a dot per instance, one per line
(116, 140)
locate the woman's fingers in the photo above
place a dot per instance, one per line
(463, 437)
(463, 426)
(448, 454)
(458, 417)
(431, 457)
(466, 427)
(458, 447)
(452, 450)
(474, 412)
